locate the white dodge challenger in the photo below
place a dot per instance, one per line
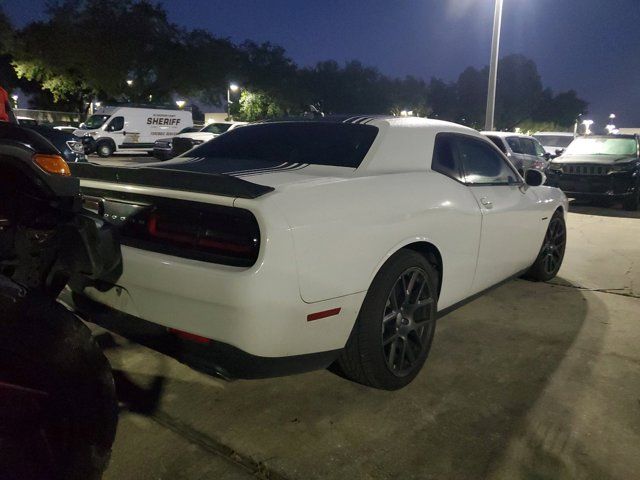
(283, 247)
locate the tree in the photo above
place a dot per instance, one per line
(76, 56)
(519, 90)
(472, 89)
(257, 105)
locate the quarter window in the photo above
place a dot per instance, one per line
(444, 158)
(482, 164)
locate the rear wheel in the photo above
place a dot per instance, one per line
(551, 254)
(394, 330)
(104, 148)
(58, 411)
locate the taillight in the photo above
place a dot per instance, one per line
(211, 233)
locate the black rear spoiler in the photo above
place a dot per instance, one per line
(215, 184)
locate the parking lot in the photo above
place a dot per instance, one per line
(533, 380)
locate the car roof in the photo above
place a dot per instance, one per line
(507, 134)
(557, 134)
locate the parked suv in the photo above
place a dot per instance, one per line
(167, 148)
(554, 143)
(525, 152)
(602, 167)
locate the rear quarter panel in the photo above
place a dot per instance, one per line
(343, 232)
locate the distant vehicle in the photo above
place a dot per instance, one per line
(132, 129)
(71, 147)
(287, 246)
(165, 149)
(600, 167)
(525, 152)
(26, 121)
(554, 143)
(65, 128)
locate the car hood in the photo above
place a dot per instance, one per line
(594, 159)
(278, 175)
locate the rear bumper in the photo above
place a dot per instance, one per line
(256, 310)
(213, 358)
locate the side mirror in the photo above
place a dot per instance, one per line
(559, 151)
(534, 178)
(547, 156)
(82, 126)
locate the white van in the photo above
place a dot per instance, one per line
(132, 129)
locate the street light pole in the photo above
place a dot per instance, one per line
(232, 87)
(493, 68)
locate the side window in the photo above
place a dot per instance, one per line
(515, 145)
(539, 148)
(116, 124)
(497, 141)
(482, 165)
(528, 146)
(444, 160)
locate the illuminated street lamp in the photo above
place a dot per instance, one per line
(587, 126)
(611, 128)
(493, 68)
(129, 82)
(180, 103)
(15, 101)
(232, 88)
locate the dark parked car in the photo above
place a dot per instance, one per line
(601, 168)
(163, 149)
(73, 149)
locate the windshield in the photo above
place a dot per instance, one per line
(560, 141)
(602, 146)
(217, 128)
(95, 121)
(338, 144)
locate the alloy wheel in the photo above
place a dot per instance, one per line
(407, 321)
(554, 244)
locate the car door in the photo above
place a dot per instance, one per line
(115, 128)
(534, 152)
(510, 215)
(518, 148)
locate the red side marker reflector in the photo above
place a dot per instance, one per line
(192, 337)
(327, 313)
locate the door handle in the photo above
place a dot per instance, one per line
(486, 202)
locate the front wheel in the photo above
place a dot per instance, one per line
(104, 149)
(551, 254)
(393, 333)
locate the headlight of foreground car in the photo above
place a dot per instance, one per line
(555, 167)
(76, 147)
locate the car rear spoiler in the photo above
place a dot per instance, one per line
(215, 184)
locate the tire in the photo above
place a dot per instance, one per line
(382, 327)
(551, 253)
(104, 148)
(632, 203)
(68, 434)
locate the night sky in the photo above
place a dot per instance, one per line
(592, 46)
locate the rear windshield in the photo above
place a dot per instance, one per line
(560, 141)
(217, 128)
(337, 144)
